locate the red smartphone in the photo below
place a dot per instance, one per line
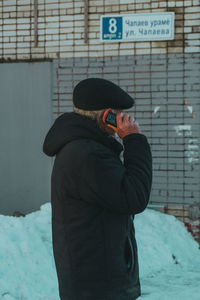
(109, 118)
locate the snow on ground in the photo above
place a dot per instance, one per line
(169, 258)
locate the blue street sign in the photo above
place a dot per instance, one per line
(112, 28)
(138, 27)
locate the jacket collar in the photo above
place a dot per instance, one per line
(72, 126)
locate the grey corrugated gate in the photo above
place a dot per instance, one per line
(25, 117)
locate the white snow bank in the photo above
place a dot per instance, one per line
(27, 269)
(163, 240)
(169, 258)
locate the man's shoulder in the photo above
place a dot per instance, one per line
(85, 147)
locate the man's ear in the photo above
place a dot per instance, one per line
(105, 127)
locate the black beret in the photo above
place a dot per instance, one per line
(98, 93)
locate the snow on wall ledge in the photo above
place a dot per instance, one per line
(28, 270)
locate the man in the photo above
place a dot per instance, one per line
(95, 196)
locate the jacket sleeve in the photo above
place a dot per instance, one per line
(121, 188)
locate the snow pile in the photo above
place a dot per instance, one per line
(27, 269)
(169, 258)
(163, 240)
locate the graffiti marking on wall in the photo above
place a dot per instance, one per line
(192, 148)
(156, 109)
(183, 130)
(193, 151)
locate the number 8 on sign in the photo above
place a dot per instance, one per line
(112, 25)
(111, 28)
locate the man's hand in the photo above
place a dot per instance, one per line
(126, 125)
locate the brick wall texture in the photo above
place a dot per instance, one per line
(166, 89)
(163, 76)
(61, 28)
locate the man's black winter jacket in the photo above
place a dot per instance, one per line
(94, 199)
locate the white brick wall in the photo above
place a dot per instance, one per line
(61, 28)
